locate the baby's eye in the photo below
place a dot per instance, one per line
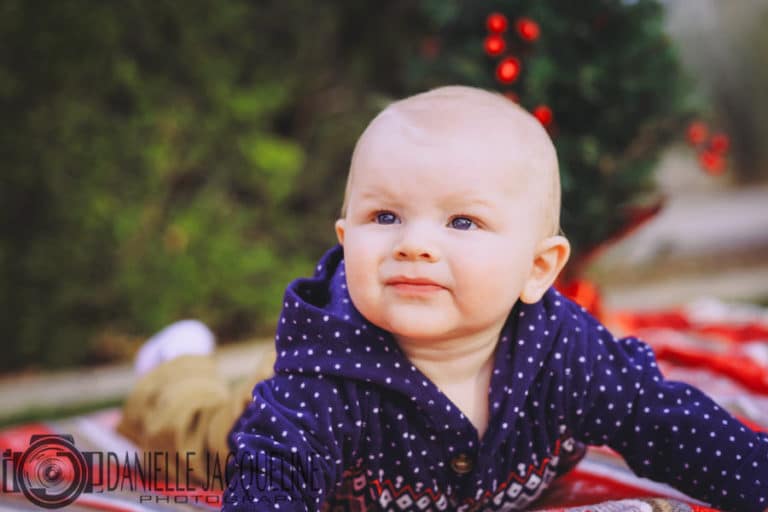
(386, 218)
(463, 223)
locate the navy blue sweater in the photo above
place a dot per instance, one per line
(348, 421)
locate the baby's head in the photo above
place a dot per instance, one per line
(451, 214)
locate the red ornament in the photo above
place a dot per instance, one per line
(712, 162)
(697, 132)
(511, 96)
(719, 143)
(494, 45)
(544, 114)
(528, 29)
(508, 70)
(496, 23)
(430, 47)
(599, 22)
(584, 293)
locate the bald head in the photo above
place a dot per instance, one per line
(495, 128)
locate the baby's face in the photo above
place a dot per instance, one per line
(443, 222)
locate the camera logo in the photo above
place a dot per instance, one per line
(51, 472)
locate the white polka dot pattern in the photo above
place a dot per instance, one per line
(347, 407)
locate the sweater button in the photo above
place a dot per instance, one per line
(461, 464)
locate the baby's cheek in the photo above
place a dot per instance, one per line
(361, 285)
(489, 288)
(356, 285)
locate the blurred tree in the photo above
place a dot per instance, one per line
(165, 159)
(155, 160)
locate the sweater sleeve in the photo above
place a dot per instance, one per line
(667, 431)
(293, 443)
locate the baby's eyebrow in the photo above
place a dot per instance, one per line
(378, 193)
(464, 201)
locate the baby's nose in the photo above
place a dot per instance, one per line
(416, 244)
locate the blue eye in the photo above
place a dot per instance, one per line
(386, 218)
(462, 223)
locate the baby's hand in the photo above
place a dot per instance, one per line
(180, 338)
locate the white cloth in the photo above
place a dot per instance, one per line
(180, 338)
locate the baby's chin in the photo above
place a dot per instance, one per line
(418, 320)
(426, 327)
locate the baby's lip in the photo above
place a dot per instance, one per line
(423, 281)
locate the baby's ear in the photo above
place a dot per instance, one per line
(550, 258)
(339, 226)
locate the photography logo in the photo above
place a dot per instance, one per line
(51, 472)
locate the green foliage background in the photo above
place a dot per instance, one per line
(163, 160)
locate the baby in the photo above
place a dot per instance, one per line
(430, 365)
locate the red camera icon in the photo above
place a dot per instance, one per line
(51, 472)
